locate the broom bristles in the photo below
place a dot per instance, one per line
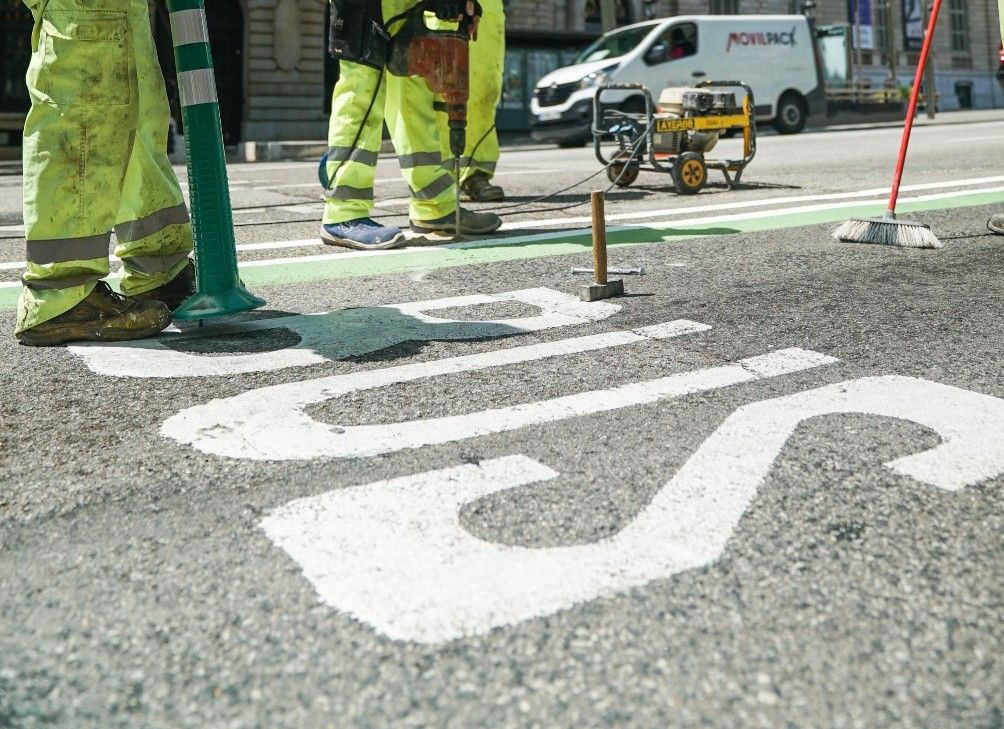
(887, 232)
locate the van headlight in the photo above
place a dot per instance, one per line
(597, 78)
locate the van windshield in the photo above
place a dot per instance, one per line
(615, 44)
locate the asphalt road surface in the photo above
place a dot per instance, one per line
(760, 490)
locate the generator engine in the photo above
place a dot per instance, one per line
(679, 102)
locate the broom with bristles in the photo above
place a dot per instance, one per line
(887, 230)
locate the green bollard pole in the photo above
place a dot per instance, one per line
(220, 291)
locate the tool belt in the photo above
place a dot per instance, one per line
(357, 32)
(412, 27)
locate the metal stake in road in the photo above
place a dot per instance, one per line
(602, 289)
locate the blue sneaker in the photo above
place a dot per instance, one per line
(362, 234)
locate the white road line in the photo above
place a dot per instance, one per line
(385, 180)
(819, 208)
(396, 555)
(231, 183)
(978, 139)
(667, 223)
(316, 185)
(271, 423)
(342, 334)
(661, 212)
(766, 202)
(277, 245)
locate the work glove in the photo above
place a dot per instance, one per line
(458, 10)
(453, 9)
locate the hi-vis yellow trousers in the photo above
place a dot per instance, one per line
(487, 68)
(95, 157)
(406, 105)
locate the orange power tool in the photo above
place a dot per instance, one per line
(442, 58)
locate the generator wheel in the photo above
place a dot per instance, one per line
(616, 168)
(690, 173)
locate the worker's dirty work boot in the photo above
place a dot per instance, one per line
(362, 234)
(104, 316)
(175, 291)
(479, 188)
(996, 224)
(471, 223)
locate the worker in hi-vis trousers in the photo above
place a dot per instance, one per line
(487, 67)
(95, 160)
(996, 222)
(365, 96)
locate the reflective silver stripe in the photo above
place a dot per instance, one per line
(50, 284)
(436, 188)
(62, 250)
(486, 166)
(189, 26)
(153, 265)
(139, 229)
(468, 163)
(419, 159)
(344, 192)
(197, 87)
(362, 156)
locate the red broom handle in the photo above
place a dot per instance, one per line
(915, 92)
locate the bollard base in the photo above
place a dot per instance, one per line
(222, 303)
(595, 292)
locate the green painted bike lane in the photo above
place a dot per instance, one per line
(334, 266)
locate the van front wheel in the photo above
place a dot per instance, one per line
(791, 114)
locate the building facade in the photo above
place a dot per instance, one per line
(275, 78)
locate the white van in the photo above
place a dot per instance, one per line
(775, 54)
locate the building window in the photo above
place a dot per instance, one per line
(723, 7)
(15, 39)
(593, 15)
(881, 30)
(959, 25)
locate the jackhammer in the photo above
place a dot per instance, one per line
(442, 58)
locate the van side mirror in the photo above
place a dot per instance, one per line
(657, 53)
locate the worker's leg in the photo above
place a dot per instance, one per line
(353, 148)
(487, 65)
(152, 225)
(76, 148)
(433, 206)
(996, 222)
(354, 134)
(412, 123)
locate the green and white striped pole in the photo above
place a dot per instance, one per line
(220, 291)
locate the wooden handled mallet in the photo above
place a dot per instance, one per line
(602, 288)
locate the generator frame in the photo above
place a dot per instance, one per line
(623, 168)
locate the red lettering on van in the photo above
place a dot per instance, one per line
(771, 38)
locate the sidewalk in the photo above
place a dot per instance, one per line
(312, 150)
(976, 116)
